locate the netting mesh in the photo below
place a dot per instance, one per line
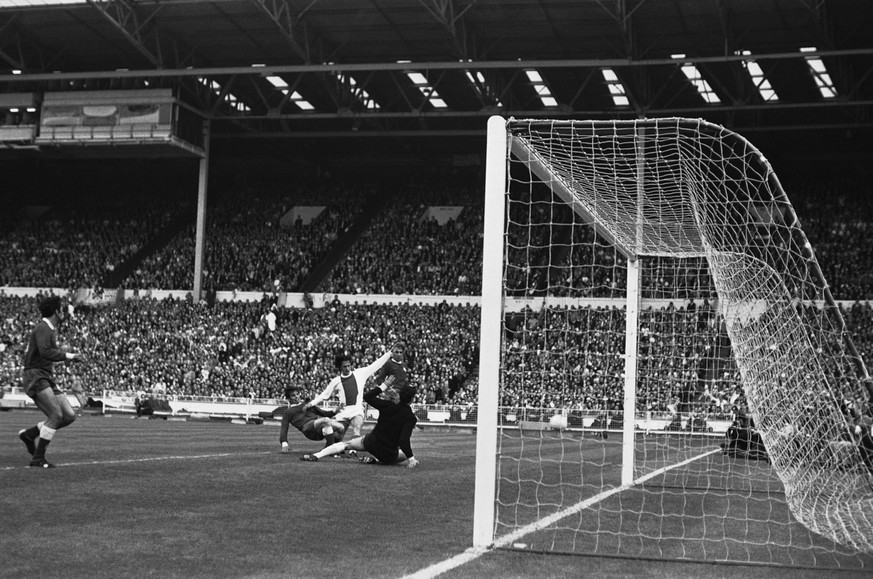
(734, 306)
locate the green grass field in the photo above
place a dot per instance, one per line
(155, 498)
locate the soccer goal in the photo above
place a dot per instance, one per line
(644, 283)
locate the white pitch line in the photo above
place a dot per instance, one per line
(474, 553)
(150, 459)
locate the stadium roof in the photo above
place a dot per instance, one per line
(274, 69)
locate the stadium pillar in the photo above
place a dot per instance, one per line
(200, 234)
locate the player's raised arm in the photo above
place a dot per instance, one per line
(368, 371)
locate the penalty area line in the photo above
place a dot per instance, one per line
(149, 459)
(474, 553)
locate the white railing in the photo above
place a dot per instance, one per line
(110, 401)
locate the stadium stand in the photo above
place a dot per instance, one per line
(227, 349)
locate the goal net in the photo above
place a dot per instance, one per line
(663, 371)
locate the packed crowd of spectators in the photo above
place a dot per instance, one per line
(552, 251)
(574, 358)
(557, 357)
(406, 252)
(837, 216)
(75, 244)
(248, 247)
(256, 349)
(234, 349)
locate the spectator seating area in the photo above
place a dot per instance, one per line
(247, 249)
(74, 243)
(227, 350)
(404, 253)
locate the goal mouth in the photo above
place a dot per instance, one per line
(657, 266)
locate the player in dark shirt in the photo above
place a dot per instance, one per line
(396, 367)
(39, 383)
(390, 440)
(742, 438)
(313, 422)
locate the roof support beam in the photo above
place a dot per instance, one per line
(126, 20)
(446, 13)
(12, 53)
(617, 63)
(280, 13)
(15, 62)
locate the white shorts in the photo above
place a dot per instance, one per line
(349, 412)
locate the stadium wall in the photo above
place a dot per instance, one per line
(202, 407)
(320, 300)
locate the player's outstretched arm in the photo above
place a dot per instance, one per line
(368, 371)
(325, 394)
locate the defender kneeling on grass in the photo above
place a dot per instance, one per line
(390, 440)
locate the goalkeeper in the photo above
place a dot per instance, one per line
(390, 440)
(313, 422)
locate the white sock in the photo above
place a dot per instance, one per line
(334, 448)
(46, 433)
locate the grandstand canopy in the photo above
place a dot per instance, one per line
(271, 74)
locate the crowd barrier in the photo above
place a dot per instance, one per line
(110, 402)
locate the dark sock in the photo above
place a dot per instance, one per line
(32, 432)
(40, 448)
(329, 439)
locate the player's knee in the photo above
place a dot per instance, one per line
(68, 416)
(66, 420)
(54, 417)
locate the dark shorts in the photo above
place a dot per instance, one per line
(35, 381)
(382, 453)
(311, 432)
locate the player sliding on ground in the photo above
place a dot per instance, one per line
(390, 440)
(313, 422)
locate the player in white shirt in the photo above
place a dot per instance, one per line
(348, 387)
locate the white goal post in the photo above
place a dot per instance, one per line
(624, 260)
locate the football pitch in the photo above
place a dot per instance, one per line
(156, 498)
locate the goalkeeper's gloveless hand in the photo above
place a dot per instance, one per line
(413, 462)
